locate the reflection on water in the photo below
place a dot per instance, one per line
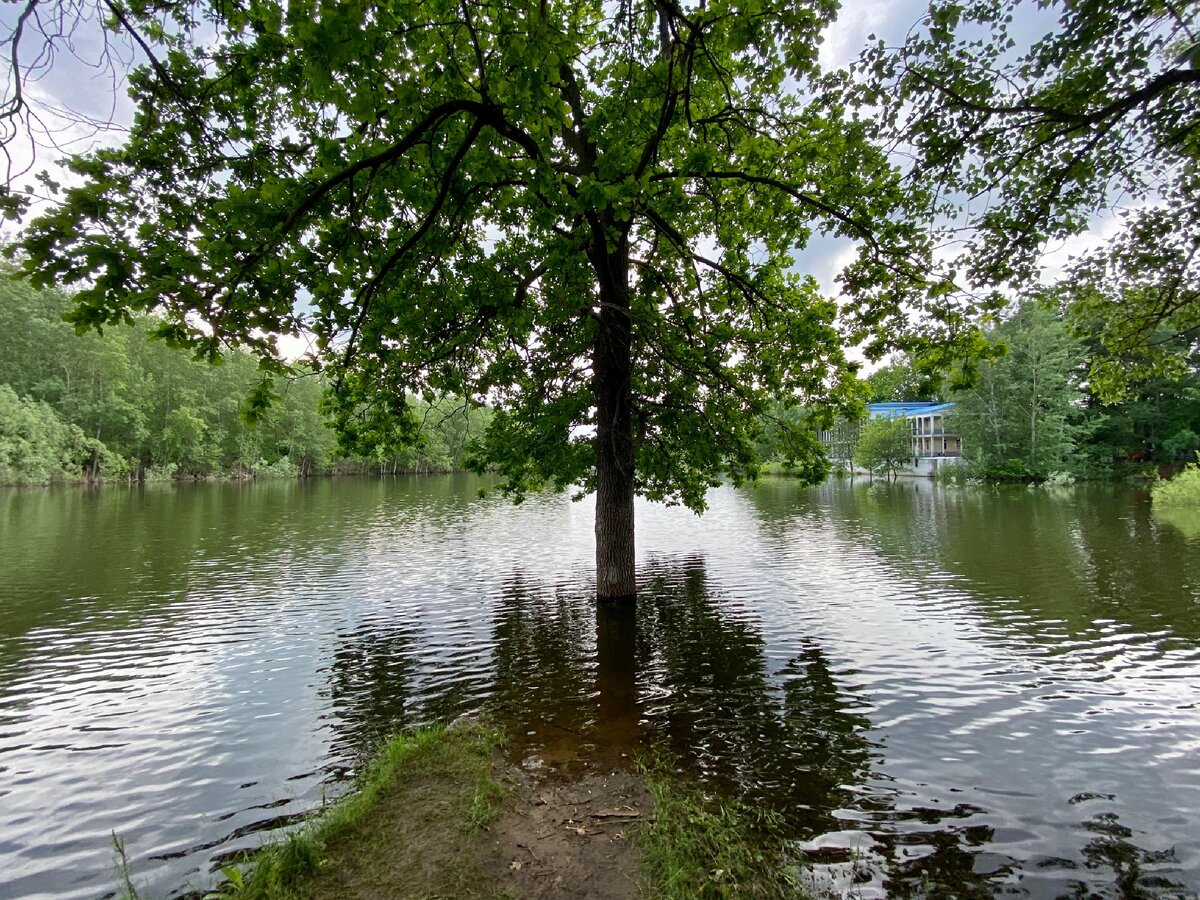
(1031, 658)
(1186, 521)
(943, 694)
(788, 738)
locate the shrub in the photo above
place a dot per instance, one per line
(1059, 479)
(38, 447)
(1182, 490)
(281, 468)
(160, 472)
(954, 473)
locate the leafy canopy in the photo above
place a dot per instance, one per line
(1027, 140)
(885, 444)
(447, 194)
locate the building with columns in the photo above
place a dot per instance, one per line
(932, 442)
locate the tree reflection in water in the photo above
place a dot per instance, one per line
(788, 739)
(579, 685)
(387, 675)
(576, 681)
(544, 670)
(369, 686)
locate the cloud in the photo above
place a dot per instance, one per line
(846, 37)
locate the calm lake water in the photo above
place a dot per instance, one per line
(944, 693)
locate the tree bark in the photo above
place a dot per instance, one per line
(613, 386)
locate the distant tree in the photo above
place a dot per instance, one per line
(786, 438)
(148, 401)
(885, 445)
(1143, 423)
(1182, 444)
(902, 379)
(1024, 417)
(1026, 140)
(38, 447)
(1143, 329)
(841, 439)
(582, 213)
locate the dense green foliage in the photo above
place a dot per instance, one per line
(1033, 412)
(884, 445)
(38, 447)
(1181, 491)
(902, 378)
(1023, 418)
(787, 444)
(123, 405)
(1028, 139)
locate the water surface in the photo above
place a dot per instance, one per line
(943, 693)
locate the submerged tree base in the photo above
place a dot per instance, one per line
(625, 601)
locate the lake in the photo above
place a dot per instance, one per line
(957, 693)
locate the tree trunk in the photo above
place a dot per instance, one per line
(613, 386)
(1033, 410)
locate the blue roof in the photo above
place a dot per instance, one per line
(907, 408)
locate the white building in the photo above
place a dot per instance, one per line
(932, 443)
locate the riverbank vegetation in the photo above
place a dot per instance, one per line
(408, 825)
(1180, 492)
(430, 815)
(126, 406)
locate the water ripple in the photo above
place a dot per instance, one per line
(990, 694)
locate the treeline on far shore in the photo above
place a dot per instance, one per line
(126, 407)
(1033, 413)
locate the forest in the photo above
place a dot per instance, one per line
(124, 406)
(128, 407)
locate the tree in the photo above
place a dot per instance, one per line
(145, 401)
(1136, 426)
(37, 447)
(1027, 140)
(1023, 417)
(884, 444)
(581, 213)
(901, 379)
(786, 439)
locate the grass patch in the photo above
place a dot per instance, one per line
(703, 846)
(402, 831)
(1181, 491)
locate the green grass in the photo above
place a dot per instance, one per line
(1181, 491)
(453, 765)
(702, 846)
